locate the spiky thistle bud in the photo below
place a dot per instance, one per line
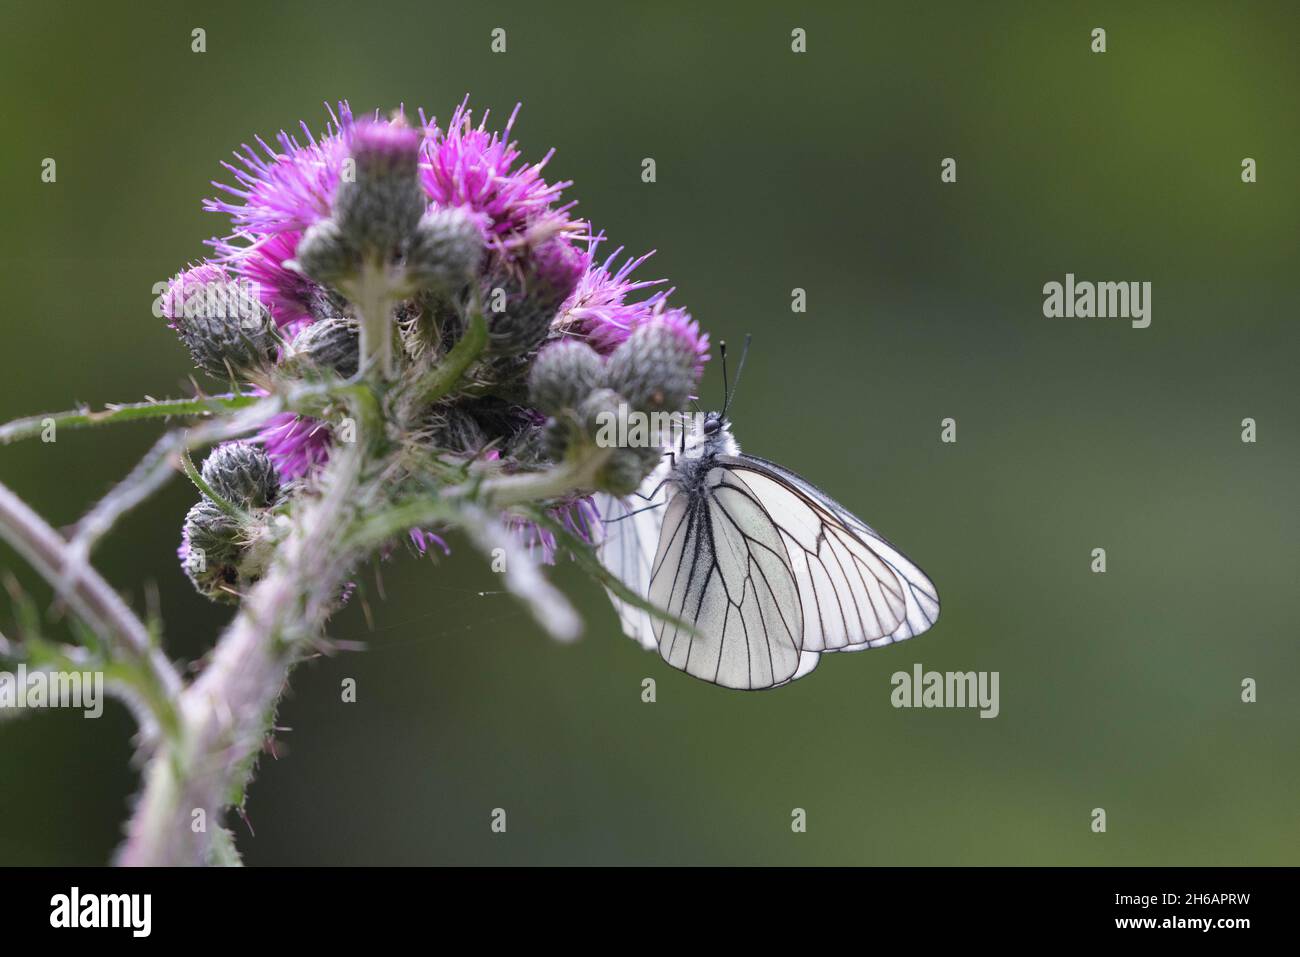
(520, 308)
(221, 321)
(212, 546)
(332, 344)
(657, 368)
(242, 473)
(599, 413)
(327, 304)
(378, 210)
(446, 249)
(325, 255)
(627, 468)
(564, 374)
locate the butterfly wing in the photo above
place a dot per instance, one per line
(722, 566)
(858, 590)
(627, 547)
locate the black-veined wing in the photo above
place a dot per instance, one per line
(721, 565)
(858, 590)
(629, 538)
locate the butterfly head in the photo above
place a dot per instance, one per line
(711, 436)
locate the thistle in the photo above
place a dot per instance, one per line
(425, 341)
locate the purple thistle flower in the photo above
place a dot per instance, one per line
(600, 311)
(678, 321)
(286, 293)
(425, 539)
(580, 516)
(558, 266)
(290, 188)
(295, 443)
(183, 550)
(376, 144)
(468, 166)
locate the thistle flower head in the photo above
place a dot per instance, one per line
(555, 268)
(370, 250)
(285, 292)
(524, 296)
(579, 516)
(289, 186)
(384, 148)
(606, 305)
(469, 166)
(295, 443)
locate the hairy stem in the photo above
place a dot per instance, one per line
(373, 296)
(34, 425)
(226, 713)
(443, 377)
(98, 605)
(500, 492)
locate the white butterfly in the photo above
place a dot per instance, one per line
(768, 568)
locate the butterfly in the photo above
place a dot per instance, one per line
(768, 569)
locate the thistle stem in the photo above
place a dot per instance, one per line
(227, 712)
(443, 377)
(34, 425)
(374, 300)
(95, 602)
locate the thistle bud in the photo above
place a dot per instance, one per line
(212, 547)
(599, 414)
(324, 254)
(332, 344)
(241, 473)
(522, 321)
(379, 209)
(327, 304)
(446, 249)
(556, 266)
(516, 323)
(657, 368)
(627, 468)
(222, 323)
(564, 374)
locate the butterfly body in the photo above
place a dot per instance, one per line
(768, 571)
(699, 453)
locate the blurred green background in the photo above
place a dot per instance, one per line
(775, 171)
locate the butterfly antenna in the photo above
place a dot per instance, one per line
(730, 393)
(722, 348)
